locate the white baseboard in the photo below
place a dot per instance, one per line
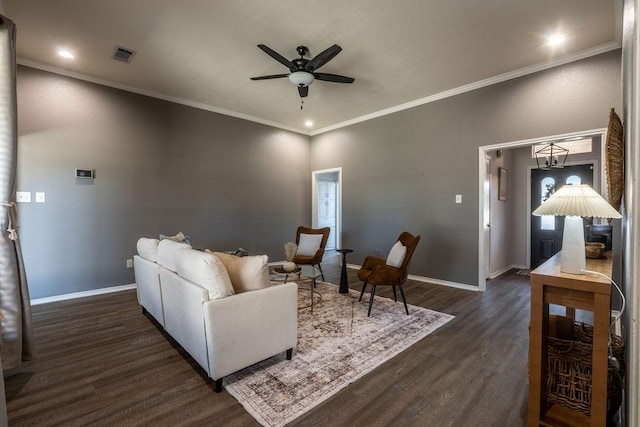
(433, 281)
(83, 294)
(505, 269)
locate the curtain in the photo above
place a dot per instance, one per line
(16, 334)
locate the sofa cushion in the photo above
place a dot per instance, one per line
(206, 270)
(309, 244)
(397, 254)
(148, 248)
(247, 273)
(166, 253)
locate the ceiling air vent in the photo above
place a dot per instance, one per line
(123, 54)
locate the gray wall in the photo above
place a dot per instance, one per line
(163, 168)
(402, 171)
(160, 168)
(500, 254)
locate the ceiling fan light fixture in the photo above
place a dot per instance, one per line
(301, 78)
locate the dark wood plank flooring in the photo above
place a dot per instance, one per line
(102, 362)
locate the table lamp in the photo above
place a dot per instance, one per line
(574, 202)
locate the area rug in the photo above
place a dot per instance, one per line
(337, 344)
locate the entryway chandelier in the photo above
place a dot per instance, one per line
(551, 156)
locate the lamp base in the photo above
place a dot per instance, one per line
(573, 256)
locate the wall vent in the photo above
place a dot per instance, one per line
(123, 54)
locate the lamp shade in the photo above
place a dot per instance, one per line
(574, 202)
(577, 200)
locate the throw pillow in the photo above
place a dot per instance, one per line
(166, 253)
(247, 273)
(204, 270)
(180, 238)
(309, 244)
(397, 254)
(148, 248)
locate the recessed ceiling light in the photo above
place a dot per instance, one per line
(65, 54)
(308, 123)
(556, 39)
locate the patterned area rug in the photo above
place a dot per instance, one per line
(337, 344)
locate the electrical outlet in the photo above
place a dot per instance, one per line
(23, 196)
(129, 263)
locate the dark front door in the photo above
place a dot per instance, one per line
(546, 232)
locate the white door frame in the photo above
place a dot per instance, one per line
(314, 201)
(602, 132)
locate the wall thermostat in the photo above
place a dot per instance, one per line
(85, 173)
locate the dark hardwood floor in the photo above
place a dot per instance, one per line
(102, 362)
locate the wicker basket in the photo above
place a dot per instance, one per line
(569, 379)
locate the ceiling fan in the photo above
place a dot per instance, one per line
(303, 71)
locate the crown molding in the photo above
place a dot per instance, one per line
(421, 101)
(477, 85)
(152, 94)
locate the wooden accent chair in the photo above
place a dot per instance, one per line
(308, 258)
(378, 271)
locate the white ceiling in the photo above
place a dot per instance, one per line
(400, 52)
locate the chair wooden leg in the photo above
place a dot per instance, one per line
(395, 298)
(373, 294)
(364, 286)
(403, 299)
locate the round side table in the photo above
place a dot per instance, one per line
(344, 283)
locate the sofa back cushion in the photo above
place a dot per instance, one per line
(167, 250)
(206, 270)
(148, 248)
(247, 273)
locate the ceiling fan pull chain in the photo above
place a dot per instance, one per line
(301, 102)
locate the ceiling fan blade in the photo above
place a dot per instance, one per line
(273, 76)
(303, 91)
(275, 55)
(322, 58)
(333, 78)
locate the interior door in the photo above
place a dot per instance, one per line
(546, 231)
(327, 212)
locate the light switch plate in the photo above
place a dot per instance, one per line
(23, 196)
(39, 197)
(458, 198)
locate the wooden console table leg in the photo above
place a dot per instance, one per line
(538, 331)
(600, 360)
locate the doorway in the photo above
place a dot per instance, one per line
(483, 249)
(546, 231)
(326, 204)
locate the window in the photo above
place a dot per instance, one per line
(547, 188)
(574, 180)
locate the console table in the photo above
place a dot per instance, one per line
(587, 292)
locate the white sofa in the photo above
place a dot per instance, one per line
(220, 319)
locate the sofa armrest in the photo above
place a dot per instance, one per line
(247, 328)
